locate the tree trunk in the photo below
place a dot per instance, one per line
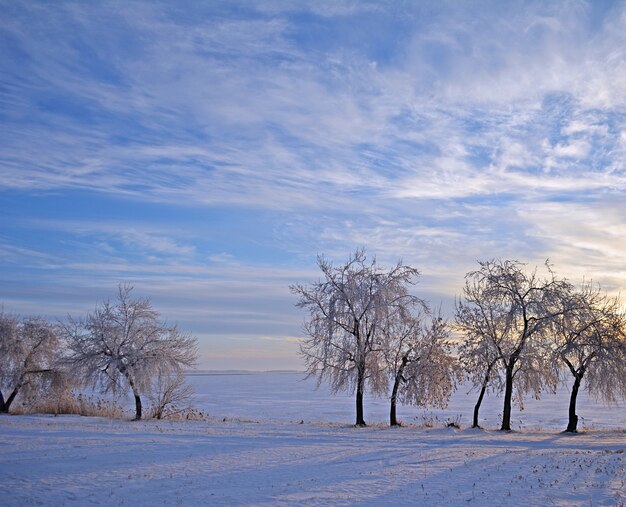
(479, 402)
(6, 405)
(360, 421)
(483, 389)
(393, 421)
(508, 394)
(573, 418)
(124, 371)
(137, 407)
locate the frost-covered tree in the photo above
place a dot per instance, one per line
(343, 343)
(28, 352)
(484, 327)
(504, 312)
(590, 340)
(417, 354)
(123, 345)
(481, 365)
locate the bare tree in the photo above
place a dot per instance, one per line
(170, 395)
(28, 351)
(124, 345)
(418, 360)
(590, 339)
(504, 313)
(345, 310)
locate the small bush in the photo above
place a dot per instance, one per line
(454, 423)
(427, 421)
(178, 414)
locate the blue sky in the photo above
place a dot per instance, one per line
(207, 151)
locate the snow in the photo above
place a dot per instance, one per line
(287, 397)
(261, 455)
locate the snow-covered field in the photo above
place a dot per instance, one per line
(261, 455)
(287, 397)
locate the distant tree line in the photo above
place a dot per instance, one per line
(520, 332)
(122, 346)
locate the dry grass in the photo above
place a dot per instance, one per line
(91, 406)
(74, 404)
(175, 414)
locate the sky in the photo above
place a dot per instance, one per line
(207, 152)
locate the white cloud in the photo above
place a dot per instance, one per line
(575, 149)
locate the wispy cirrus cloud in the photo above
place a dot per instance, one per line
(291, 111)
